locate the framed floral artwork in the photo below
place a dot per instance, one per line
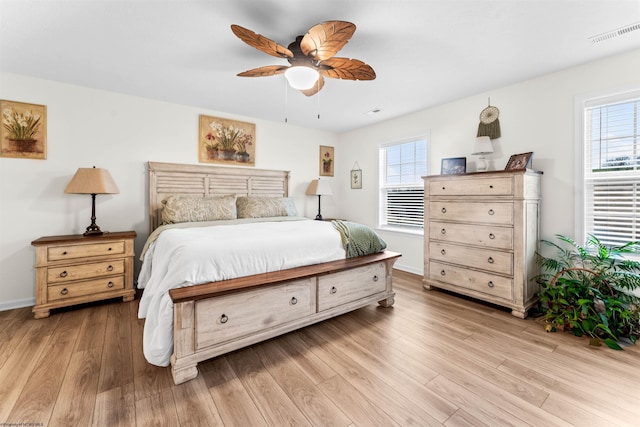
(24, 130)
(226, 141)
(326, 161)
(356, 179)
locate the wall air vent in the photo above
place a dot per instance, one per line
(615, 33)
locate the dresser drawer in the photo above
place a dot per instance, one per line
(489, 236)
(84, 288)
(500, 186)
(484, 259)
(84, 271)
(498, 286)
(58, 253)
(343, 287)
(484, 212)
(247, 312)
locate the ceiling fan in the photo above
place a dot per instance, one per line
(311, 57)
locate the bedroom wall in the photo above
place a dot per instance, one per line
(88, 127)
(536, 115)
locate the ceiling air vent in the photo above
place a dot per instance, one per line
(615, 33)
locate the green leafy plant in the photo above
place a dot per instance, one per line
(588, 290)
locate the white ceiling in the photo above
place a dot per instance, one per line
(425, 53)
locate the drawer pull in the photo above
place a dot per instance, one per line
(110, 285)
(109, 249)
(443, 188)
(492, 236)
(63, 274)
(443, 252)
(490, 260)
(490, 284)
(442, 272)
(293, 301)
(224, 318)
(375, 278)
(64, 253)
(64, 291)
(491, 212)
(443, 210)
(491, 186)
(110, 268)
(333, 290)
(443, 231)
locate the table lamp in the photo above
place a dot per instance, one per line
(319, 188)
(481, 147)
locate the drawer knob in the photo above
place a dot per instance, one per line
(333, 290)
(443, 231)
(491, 186)
(109, 249)
(64, 253)
(490, 284)
(110, 268)
(64, 291)
(110, 285)
(491, 212)
(443, 210)
(63, 274)
(293, 301)
(442, 272)
(443, 188)
(224, 318)
(375, 278)
(492, 236)
(490, 260)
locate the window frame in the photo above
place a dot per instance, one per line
(383, 187)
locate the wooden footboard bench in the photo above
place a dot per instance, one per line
(215, 318)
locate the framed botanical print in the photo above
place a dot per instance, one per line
(326, 161)
(226, 141)
(356, 179)
(24, 130)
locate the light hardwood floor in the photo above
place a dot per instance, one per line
(432, 359)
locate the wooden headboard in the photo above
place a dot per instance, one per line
(166, 179)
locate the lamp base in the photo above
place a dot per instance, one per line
(93, 230)
(481, 164)
(319, 217)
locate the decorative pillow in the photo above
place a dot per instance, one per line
(261, 207)
(195, 209)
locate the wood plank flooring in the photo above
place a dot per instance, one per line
(433, 359)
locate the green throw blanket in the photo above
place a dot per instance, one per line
(358, 239)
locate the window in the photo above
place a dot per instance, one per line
(612, 169)
(402, 166)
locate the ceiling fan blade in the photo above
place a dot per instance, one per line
(324, 40)
(345, 68)
(267, 70)
(316, 87)
(261, 43)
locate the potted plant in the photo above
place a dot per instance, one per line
(226, 136)
(212, 146)
(589, 290)
(22, 128)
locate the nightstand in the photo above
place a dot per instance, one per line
(76, 269)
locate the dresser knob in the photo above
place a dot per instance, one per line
(375, 278)
(442, 272)
(333, 290)
(109, 249)
(490, 260)
(443, 188)
(443, 231)
(443, 252)
(224, 318)
(110, 285)
(491, 186)
(63, 274)
(443, 210)
(492, 236)
(490, 284)
(110, 268)
(293, 301)
(64, 291)
(491, 212)
(64, 253)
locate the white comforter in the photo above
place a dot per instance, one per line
(188, 256)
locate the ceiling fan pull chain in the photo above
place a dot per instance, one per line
(318, 95)
(286, 106)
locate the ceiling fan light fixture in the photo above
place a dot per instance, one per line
(301, 77)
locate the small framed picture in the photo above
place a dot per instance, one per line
(518, 161)
(453, 166)
(356, 178)
(326, 160)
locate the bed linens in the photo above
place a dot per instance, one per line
(188, 256)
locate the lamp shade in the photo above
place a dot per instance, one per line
(319, 188)
(301, 77)
(482, 145)
(92, 181)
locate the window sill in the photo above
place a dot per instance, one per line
(400, 230)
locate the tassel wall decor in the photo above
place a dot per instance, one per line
(489, 123)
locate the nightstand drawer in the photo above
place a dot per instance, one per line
(58, 253)
(88, 287)
(85, 271)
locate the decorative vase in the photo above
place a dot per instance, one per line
(212, 153)
(24, 145)
(227, 154)
(242, 156)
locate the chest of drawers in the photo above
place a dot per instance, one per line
(76, 269)
(481, 234)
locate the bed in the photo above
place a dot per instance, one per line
(261, 283)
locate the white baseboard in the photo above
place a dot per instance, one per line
(19, 303)
(408, 269)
